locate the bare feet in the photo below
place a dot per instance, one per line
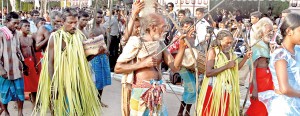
(15, 105)
(1, 110)
(104, 105)
(6, 113)
(20, 113)
(179, 114)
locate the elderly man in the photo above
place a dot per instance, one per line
(262, 78)
(43, 33)
(11, 76)
(140, 59)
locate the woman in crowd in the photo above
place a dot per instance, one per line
(284, 100)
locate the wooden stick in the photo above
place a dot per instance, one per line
(188, 44)
(176, 26)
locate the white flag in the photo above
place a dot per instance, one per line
(90, 3)
(37, 3)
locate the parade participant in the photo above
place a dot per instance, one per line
(43, 33)
(31, 79)
(284, 100)
(11, 79)
(132, 29)
(133, 26)
(201, 26)
(220, 93)
(262, 78)
(138, 60)
(65, 81)
(189, 80)
(83, 18)
(100, 63)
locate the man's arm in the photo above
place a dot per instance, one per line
(51, 58)
(137, 6)
(123, 67)
(2, 70)
(42, 37)
(175, 65)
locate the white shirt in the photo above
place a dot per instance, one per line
(201, 31)
(114, 25)
(33, 27)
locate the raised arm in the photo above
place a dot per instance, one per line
(137, 6)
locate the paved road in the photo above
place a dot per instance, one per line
(112, 97)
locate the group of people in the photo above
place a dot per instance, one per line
(30, 62)
(58, 61)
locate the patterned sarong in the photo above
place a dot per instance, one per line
(101, 68)
(138, 108)
(11, 90)
(189, 84)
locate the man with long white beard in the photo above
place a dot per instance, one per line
(140, 58)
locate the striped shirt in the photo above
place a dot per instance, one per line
(11, 56)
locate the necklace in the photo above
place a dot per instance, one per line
(288, 51)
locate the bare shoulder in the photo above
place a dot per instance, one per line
(211, 53)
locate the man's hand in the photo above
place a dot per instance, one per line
(25, 70)
(150, 62)
(36, 69)
(137, 7)
(182, 44)
(254, 95)
(101, 50)
(248, 54)
(231, 64)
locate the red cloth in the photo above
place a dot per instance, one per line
(264, 82)
(175, 46)
(31, 81)
(207, 103)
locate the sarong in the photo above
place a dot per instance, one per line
(31, 81)
(208, 101)
(11, 90)
(220, 94)
(101, 68)
(138, 107)
(125, 101)
(264, 83)
(189, 84)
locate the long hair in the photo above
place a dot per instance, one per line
(291, 21)
(259, 27)
(150, 20)
(220, 36)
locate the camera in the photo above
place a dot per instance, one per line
(247, 22)
(209, 29)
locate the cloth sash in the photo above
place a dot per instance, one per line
(8, 34)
